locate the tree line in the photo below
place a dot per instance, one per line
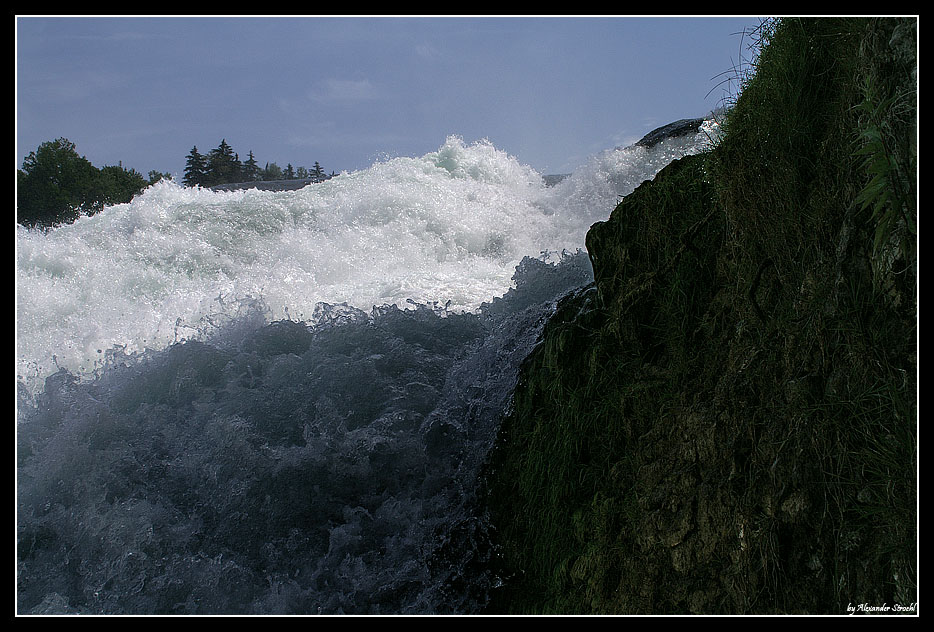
(56, 185)
(223, 166)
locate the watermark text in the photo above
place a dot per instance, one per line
(884, 608)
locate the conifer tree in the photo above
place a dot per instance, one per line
(222, 165)
(236, 174)
(317, 172)
(195, 167)
(250, 169)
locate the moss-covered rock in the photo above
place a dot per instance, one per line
(725, 422)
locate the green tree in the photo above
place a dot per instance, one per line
(301, 173)
(272, 171)
(317, 172)
(222, 165)
(55, 185)
(250, 169)
(236, 174)
(195, 167)
(117, 185)
(155, 176)
(289, 173)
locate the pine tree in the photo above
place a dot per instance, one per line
(195, 169)
(236, 174)
(250, 169)
(289, 173)
(222, 165)
(317, 172)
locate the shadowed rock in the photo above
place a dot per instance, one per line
(678, 128)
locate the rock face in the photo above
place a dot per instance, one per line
(678, 128)
(725, 421)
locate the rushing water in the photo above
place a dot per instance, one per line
(279, 402)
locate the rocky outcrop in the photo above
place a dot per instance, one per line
(682, 127)
(725, 422)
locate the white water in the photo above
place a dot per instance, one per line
(448, 226)
(324, 458)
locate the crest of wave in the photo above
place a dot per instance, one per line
(593, 190)
(448, 226)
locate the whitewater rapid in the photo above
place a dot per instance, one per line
(260, 402)
(447, 227)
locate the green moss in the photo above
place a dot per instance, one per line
(725, 421)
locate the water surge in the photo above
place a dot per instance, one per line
(279, 402)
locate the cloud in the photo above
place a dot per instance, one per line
(427, 51)
(70, 85)
(344, 91)
(122, 36)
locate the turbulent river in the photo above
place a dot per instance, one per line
(280, 402)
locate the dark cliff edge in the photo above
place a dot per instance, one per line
(725, 422)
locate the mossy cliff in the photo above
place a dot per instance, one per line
(725, 421)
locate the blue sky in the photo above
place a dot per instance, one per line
(347, 91)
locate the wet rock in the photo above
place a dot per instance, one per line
(681, 127)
